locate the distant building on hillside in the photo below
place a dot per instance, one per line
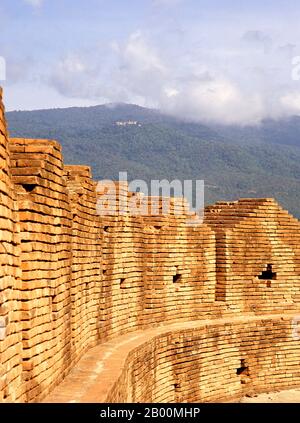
(127, 123)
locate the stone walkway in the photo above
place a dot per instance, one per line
(288, 396)
(96, 372)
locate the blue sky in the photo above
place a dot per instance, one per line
(224, 61)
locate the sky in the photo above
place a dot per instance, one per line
(223, 61)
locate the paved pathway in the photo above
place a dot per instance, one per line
(96, 372)
(291, 395)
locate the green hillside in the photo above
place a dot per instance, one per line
(235, 162)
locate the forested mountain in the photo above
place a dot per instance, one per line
(258, 161)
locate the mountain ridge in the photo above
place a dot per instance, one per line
(260, 161)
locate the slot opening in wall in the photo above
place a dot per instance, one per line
(52, 302)
(106, 228)
(123, 283)
(177, 279)
(29, 187)
(243, 371)
(268, 275)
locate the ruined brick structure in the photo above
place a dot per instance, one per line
(138, 308)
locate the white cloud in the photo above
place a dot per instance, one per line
(171, 92)
(291, 102)
(34, 3)
(216, 100)
(132, 72)
(70, 77)
(138, 54)
(231, 83)
(72, 65)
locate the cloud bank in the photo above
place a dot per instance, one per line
(240, 84)
(199, 63)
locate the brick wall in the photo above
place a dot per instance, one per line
(45, 299)
(85, 278)
(70, 279)
(215, 361)
(11, 387)
(250, 236)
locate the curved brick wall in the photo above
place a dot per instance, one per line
(85, 278)
(213, 361)
(71, 279)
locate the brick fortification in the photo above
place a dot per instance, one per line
(213, 301)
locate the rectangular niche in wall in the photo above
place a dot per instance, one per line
(29, 187)
(268, 274)
(243, 371)
(123, 283)
(177, 279)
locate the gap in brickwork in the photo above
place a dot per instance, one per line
(177, 278)
(243, 371)
(52, 301)
(122, 283)
(29, 187)
(268, 274)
